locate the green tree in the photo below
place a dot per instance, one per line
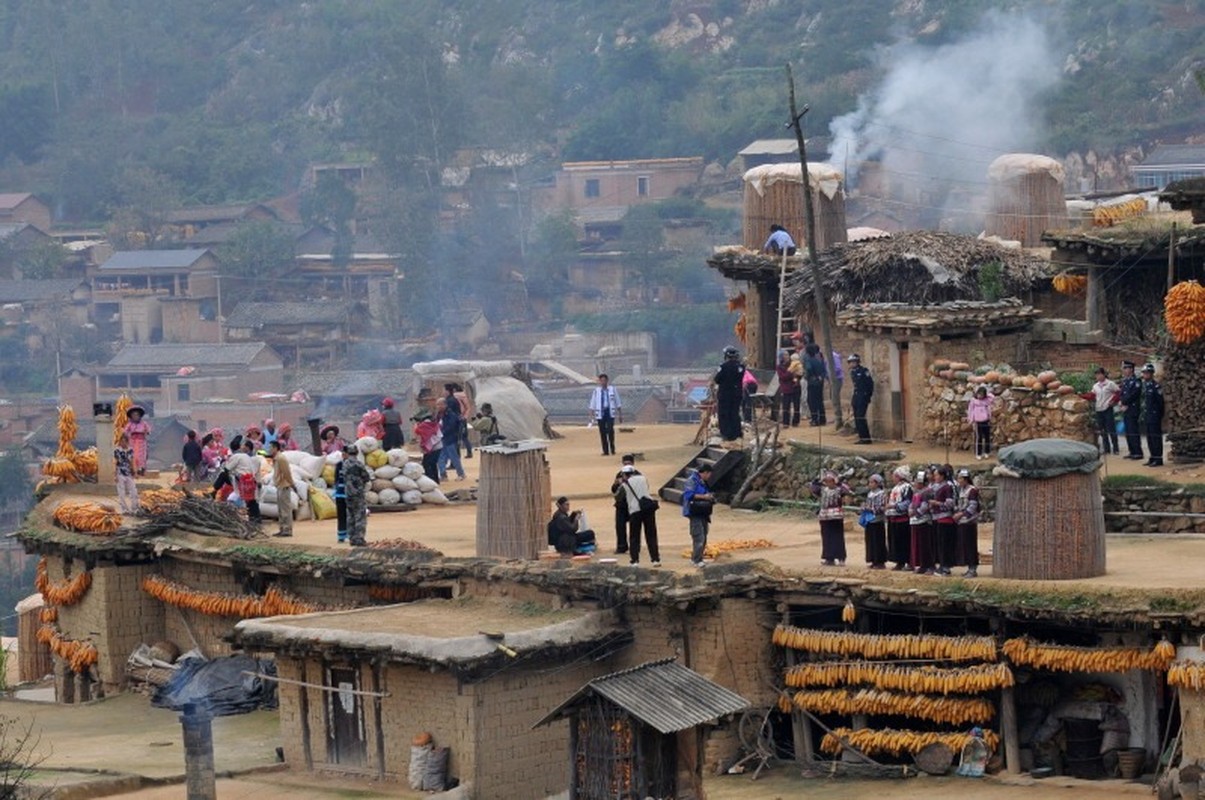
(260, 249)
(43, 260)
(332, 203)
(643, 244)
(554, 246)
(15, 486)
(146, 197)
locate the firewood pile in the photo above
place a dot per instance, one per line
(202, 515)
(972, 314)
(1184, 399)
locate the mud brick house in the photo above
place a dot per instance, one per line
(151, 296)
(24, 207)
(191, 222)
(171, 376)
(44, 304)
(309, 334)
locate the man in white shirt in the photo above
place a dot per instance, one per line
(605, 409)
(1107, 393)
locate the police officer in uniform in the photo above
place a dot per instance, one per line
(1131, 393)
(729, 381)
(863, 391)
(1152, 410)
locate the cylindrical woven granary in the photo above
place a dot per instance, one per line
(1050, 520)
(1026, 198)
(34, 661)
(774, 196)
(514, 500)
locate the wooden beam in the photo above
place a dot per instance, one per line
(1008, 730)
(303, 709)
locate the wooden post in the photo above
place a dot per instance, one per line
(303, 709)
(1008, 730)
(377, 720)
(1094, 300)
(826, 334)
(801, 729)
(1171, 258)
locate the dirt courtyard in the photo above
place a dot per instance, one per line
(579, 472)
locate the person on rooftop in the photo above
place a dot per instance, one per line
(779, 242)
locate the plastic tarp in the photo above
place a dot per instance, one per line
(221, 686)
(827, 177)
(1047, 458)
(1014, 165)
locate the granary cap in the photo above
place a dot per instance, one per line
(1047, 458)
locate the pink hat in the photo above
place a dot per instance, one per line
(387, 402)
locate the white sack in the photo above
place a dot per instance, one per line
(435, 497)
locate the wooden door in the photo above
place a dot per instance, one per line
(905, 394)
(346, 742)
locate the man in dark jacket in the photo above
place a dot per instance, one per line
(621, 504)
(356, 479)
(1152, 411)
(1131, 394)
(563, 534)
(863, 391)
(729, 381)
(814, 376)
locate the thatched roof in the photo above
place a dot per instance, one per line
(1141, 240)
(918, 267)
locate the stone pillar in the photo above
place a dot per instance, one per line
(198, 753)
(105, 469)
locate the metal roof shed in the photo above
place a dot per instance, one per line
(636, 733)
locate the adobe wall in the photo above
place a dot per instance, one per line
(114, 614)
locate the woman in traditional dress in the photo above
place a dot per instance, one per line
(899, 533)
(832, 521)
(138, 429)
(876, 526)
(922, 555)
(331, 443)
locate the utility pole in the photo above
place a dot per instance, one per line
(826, 334)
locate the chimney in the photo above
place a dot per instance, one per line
(198, 753)
(315, 439)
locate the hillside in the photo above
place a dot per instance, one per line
(230, 100)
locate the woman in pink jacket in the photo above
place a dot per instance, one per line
(979, 414)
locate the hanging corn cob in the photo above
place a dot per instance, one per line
(275, 602)
(1026, 652)
(848, 613)
(155, 501)
(67, 593)
(397, 594)
(79, 655)
(896, 742)
(945, 648)
(946, 710)
(926, 679)
(1184, 311)
(1187, 675)
(121, 417)
(1065, 283)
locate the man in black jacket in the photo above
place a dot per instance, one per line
(1131, 394)
(729, 381)
(1152, 410)
(863, 391)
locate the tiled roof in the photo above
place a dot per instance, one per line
(152, 259)
(10, 200)
(662, 694)
(173, 356)
(31, 291)
(396, 383)
(257, 315)
(211, 214)
(1170, 155)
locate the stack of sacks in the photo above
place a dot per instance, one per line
(396, 480)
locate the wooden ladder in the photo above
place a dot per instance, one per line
(788, 324)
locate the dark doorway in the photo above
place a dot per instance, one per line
(346, 742)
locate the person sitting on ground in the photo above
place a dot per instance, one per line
(779, 242)
(563, 533)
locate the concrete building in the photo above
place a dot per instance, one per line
(131, 289)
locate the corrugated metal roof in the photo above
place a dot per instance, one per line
(770, 147)
(662, 694)
(174, 356)
(153, 259)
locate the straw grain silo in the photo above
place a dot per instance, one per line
(774, 195)
(1026, 198)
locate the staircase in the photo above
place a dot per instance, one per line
(722, 462)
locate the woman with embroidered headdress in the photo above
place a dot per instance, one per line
(876, 527)
(284, 437)
(256, 437)
(138, 429)
(371, 424)
(899, 533)
(832, 520)
(391, 422)
(967, 517)
(331, 443)
(923, 554)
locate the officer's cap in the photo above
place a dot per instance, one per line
(1127, 364)
(855, 357)
(1148, 367)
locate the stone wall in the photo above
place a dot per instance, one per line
(1021, 413)
(1154, 509)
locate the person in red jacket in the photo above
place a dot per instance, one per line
(430, 439)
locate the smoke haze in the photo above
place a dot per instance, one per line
(942, 114)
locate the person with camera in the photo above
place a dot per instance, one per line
(486, 425)
(642, 514)
(563, 533)
(697, 502)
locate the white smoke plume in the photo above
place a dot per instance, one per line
(943, 113)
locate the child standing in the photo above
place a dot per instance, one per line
(979, 414)
(127, 491)
(193, 458)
